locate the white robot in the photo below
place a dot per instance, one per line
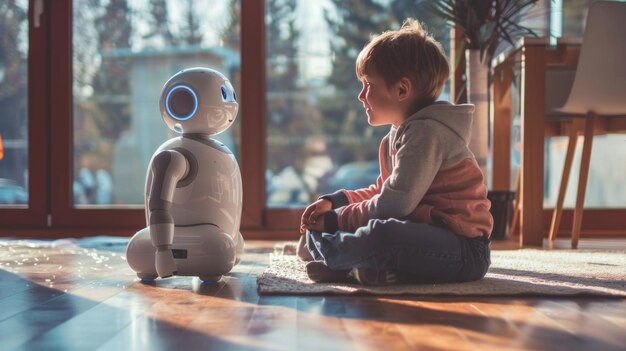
(193, 189)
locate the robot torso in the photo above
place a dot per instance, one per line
(211, 193)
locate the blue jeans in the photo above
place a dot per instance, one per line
(418, 252)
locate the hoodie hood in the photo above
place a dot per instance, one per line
(458, 118)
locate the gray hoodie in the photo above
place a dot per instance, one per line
(427, 174)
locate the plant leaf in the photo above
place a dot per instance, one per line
(485, 32)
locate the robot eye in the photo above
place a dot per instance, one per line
(224, 95)
(181, 102)
(234, 95)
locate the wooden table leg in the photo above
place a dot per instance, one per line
(533, 131)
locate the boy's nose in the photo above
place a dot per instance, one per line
(362, 95)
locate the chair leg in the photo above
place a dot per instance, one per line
(567, 167)
(582, 179)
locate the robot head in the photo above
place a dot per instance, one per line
(198, 100)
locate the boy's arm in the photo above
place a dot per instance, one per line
(345, 197)
(418, 161)
(347, 218)
(354, 201)
(419, 157)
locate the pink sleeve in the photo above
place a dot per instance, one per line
(353, 216)
(356, 214)
(364, 193)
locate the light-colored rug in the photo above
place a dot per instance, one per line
(512, 272)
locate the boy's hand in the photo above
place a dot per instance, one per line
(313, 215)
(318, 226)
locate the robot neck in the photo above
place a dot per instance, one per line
(197, 136)
(207, 140)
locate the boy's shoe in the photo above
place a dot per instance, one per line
(371, 276)
(320, 273)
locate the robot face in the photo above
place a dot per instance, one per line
(198, 100)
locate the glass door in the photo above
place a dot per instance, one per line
(23, 103)
(121, 53)
(318, 138)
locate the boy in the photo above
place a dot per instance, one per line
(427, 217)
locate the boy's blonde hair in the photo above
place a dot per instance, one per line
(408, 52)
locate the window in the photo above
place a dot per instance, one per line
(123, 53)
(14, 104)
(318, 138)
(23, 123)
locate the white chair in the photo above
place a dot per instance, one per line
(597, 100)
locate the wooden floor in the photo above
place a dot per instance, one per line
(69, 298)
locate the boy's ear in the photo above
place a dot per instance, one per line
(404, 88)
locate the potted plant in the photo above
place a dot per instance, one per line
(485, 24)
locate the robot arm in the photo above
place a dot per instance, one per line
(168, 168)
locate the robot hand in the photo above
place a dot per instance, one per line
(165, 265)
(162, 235)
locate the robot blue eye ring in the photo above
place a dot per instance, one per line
(195, 103)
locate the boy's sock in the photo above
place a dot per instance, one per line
(320, 273)
(372, 276)
(302, 251)
(290, 249)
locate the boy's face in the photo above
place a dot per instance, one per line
(380, 102)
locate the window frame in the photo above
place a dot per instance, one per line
(51, 212)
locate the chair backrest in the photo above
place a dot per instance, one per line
(600, 82)
(558, 83)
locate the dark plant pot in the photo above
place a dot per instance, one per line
(502, 212)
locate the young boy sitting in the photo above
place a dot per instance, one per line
(426, 219)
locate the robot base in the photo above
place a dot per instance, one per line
(203, 251)
(210, 280)
(147, 278)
